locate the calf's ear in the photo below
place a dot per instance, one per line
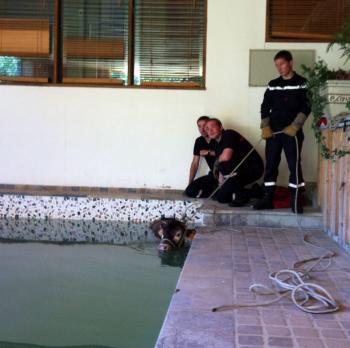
(157, 224)
(157, 228)
(190, 234)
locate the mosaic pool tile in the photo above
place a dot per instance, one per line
(92, 208)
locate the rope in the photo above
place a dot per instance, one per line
(308, 297)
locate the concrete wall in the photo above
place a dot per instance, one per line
(140, 138)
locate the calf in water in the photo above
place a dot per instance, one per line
(171, 232)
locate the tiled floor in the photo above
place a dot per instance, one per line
(215, 213)
(219, 269)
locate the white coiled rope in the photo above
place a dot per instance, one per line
(307, 296)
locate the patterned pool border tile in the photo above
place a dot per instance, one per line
(94, 208)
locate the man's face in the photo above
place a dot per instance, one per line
(213, 129)
(201, 127)
(284, 67)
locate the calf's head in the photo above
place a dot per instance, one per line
(171, 232)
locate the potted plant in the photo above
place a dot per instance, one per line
(329, 91)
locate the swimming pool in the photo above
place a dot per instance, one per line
(95, 294)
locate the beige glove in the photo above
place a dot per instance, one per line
(266, 132)
(291, 130)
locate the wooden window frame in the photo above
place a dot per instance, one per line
(58, 80)
(321, 38)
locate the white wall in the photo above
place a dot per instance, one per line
(140, 138)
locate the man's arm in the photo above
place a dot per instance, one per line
(305, 109)
(301, 117)
(194, 168)
(226, 155)
(266, 106)
(207, 153)
(265, 110)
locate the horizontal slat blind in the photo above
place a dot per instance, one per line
(25, 40)
(95, 41)
(306, 20)
(169, 42)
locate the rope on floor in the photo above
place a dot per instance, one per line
(308, 297)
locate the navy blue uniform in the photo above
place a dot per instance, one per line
(283, 101)
(250, 171)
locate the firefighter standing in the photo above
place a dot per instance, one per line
(285, 108)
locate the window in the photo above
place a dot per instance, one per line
(95, 41)
(300, 20)
(157, 43)
(169, 42)
(25, 45)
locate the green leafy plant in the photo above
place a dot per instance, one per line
(317, 77)
(342, 39)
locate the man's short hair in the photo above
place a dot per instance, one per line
(286, 55)
(203, 118)
(218, 122)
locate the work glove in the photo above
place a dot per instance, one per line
(266, 133)
(291, 130)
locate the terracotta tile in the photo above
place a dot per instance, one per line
(345, 324)
(280, 342)
(305, 332)
(310, 343)
(278, 331)
(336, 343)
(332, 333)
(248, 320)
(249, 330)
(250, 340)
(329, 324)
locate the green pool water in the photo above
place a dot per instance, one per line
(83, 295)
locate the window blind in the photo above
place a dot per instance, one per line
(169, 42)
(313, 20)
(25, 40)
(95, 41)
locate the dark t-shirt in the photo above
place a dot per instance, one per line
(201, 144)
(240, 146)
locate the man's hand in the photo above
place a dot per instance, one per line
(266, 133)
(291, 130)
(204, 152)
